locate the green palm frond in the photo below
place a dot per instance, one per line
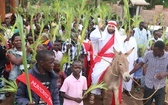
(95, 86)
(2, 38)
(83, 34)
(69, 17)
(127, 16)
(64, 60)
(143, 47)
(104, 11)
(34, 48)
(10, 86)
(136, 20)
(19, 24)
(54, 32)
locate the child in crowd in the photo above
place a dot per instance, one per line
(61, 76)
(81, 58)
(83, 72)
(74, 86)
(42, 74)
(56, 49)
(41, 47)
(138, 74)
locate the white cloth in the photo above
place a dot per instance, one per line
(153, 39)
(131, 58)
(141, 36)
(121, 31)
(149, 34)
(99, 39)
(58, 55)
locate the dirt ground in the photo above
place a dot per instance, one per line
(98, 101)
(126, 100)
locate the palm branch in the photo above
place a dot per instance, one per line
(19, 24)
(95, 86)
(10, 86)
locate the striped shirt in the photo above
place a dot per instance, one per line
(72, 54)
(155, 65)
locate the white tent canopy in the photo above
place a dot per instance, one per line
(139, 2)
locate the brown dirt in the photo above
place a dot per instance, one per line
(98, 101)
(126, 100)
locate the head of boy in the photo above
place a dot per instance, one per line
(41, 47)
(76, 67)
(81, 59)
(56, 45)
(57, 66)
(45, 60)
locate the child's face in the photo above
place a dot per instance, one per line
(30, 39)
(56, 66)
(56, 45)
(40, 47)
(77, 68)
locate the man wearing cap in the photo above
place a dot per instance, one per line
(103, 43)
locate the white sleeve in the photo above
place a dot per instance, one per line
(95, 35)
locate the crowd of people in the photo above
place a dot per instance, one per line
(83, 67)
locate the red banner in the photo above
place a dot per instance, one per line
(37, 87)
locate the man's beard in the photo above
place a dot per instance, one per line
(111, 31)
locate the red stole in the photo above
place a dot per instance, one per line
(98, 59)
(100, 54)
(37, 87)
(119, 94)
(89, 49)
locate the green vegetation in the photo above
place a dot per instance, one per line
(157, 2)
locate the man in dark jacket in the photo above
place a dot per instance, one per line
(43, 72)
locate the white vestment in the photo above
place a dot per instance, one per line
(131, 58)
(141, 36)
(99, 40)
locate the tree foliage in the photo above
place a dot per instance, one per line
(113, 1)
(157, 2)
(152, 2)
(48, 2)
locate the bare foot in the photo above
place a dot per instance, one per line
(91, 100)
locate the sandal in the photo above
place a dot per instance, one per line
(91, 99)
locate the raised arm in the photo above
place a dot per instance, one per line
(97, 33)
